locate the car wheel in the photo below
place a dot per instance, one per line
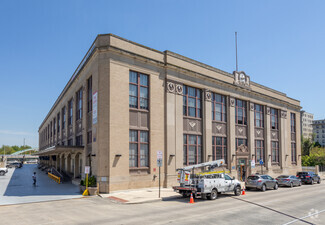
(248, 188)
(237, 191)
(185, 194)
(2, 173)
(213, 195)
(276, 186)
(291, 185)
(263, 188)
(319, 180)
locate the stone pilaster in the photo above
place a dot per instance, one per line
(231, 135)
(267, 139)
(251, 132)
(284, 153)
(207, 127)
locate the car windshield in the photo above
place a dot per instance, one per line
(253, 178)
(283, 176)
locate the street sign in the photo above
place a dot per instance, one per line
(159, 154)
(159, 162)
(261, 162)
(87, 169)
(253, 164)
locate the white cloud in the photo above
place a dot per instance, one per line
(21, 133)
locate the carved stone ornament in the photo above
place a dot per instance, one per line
(218, 127)
(268, 110)
(273, 134)
(179, 89)
(283, 114)
(242, 148)
(208, 95)
(192, 124)
(251, 106)
(258, 132)
(232, 102)
(241, 79)
(240, 130)
(170, 87)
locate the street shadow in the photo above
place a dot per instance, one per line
(182, 199)
(21, 184)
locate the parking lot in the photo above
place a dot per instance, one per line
(17, 187)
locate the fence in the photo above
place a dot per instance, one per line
(55, 178)
(314, 169)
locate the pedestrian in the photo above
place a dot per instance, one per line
(34, 179)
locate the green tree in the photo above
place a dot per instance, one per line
(306, 146)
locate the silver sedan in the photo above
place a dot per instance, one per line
(288, 180)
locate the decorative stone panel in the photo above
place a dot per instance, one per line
(89, 120)
(219, 129)
(232, 102)
(241, 79)
(138, 119)
(241, 131)
(268, 110)
(170, 87)
(274, 135)
(70, 131)
(179, 89)
(192, 126)
(259, 133)
(208, 95)
(283, 114)
(293, 137)
(251, 106)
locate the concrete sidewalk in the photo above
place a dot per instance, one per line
(144, 195)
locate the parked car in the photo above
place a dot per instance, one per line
(262, 182)
(288, 180)
(14, 165)
(309, 177)
(3, 171)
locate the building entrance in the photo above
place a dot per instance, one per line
(242, 169)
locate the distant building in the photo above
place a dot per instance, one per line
(319, 130)
(306, 121)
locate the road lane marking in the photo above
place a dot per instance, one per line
(304, 217)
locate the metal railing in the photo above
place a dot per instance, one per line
(55, 178)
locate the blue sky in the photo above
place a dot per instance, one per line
(280, 45)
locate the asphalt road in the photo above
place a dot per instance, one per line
(299, 205)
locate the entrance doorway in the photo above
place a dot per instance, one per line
(242, 169)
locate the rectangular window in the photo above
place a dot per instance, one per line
(219, 108)
(63, 118)
(70, 112)
(51, 131)
(138, 148)
(275, 151)
(241, 141)
(54, 127)
(138, 90)
(293, 122)
(89, 137)
(192, 101)
(274, 119)
(79, 105)
(79, 140)
(293, 152)
(70, 142)
(240, 113)
(58, 124)
(219, 148)
(89, 94)
(259, 150)
(192, 150)
(258, 115)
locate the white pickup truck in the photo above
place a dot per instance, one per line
(208, 184)
(3, 171)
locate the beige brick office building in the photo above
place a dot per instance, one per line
(126, 101)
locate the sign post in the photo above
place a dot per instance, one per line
(159, 164)
(261, 163)
(87, 170)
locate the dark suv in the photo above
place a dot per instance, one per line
(308, 177)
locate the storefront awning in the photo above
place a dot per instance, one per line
(57, 149)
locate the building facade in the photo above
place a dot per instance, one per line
(125, 102)
(306, 124)
(319, 131)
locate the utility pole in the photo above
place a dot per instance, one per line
(236, 52)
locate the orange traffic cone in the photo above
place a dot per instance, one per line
(243, 192)
(192, 199)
